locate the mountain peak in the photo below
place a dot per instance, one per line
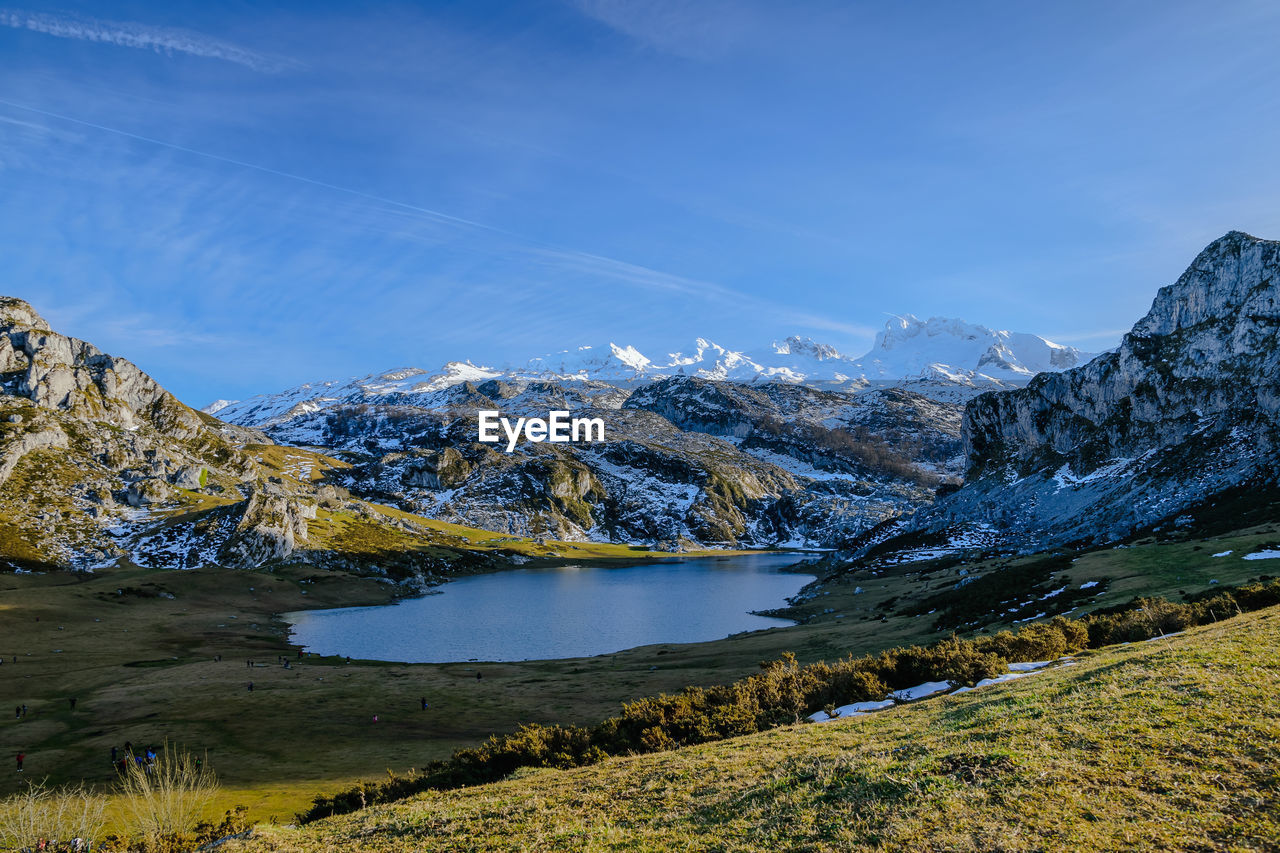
(18, 313)
(797, 345)
(946, 346)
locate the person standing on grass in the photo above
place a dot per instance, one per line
(73, 703)
(424, 703)
(250, 686)
(21, 756)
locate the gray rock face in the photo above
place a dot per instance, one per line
(272, 525)
(1189, 405)
(78, 426)
(13, 450)
(57, 372)
(149, 490)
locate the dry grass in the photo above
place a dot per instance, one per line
(44, 818)
(166, 796)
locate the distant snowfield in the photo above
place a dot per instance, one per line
(1262, 555)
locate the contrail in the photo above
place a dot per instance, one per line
(636, 274)
(138, 36)
(425, 211)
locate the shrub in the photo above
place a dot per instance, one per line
(165, 798)
(43, 818)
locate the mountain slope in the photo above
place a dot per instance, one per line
(709, 446)
(99, 465)
(1169, 744)
(1185, 409)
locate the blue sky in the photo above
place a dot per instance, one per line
(244, 196)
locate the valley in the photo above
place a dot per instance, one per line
(137, 648)
(155, 553)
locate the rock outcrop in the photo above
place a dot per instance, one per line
(1187, 407)
(58, 372)
(272, 524)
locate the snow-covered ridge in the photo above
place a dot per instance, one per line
(939, 350)
(910, 347)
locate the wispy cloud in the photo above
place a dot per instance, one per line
(641, 276)
(164, 40)
(693, 29)
(826, 324)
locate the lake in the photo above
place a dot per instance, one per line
(561, 612)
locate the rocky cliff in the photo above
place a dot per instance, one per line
(1187, 407)
(100, 465)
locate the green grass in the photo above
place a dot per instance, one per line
(1172, 744)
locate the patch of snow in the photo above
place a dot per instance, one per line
(1065, 478)
(1224, 554)
(855, 709)
(909, 694)
(1029, 666)
(1263, 555)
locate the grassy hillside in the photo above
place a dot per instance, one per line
(1171, 744)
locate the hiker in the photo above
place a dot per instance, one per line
(24, 712)
(375, 718)
(250, 686)
(424, 703)
(217, 658)
(73, 703)
(115, 755)
(477, 676)
(21, 756)
(249, 663)
(299, 654)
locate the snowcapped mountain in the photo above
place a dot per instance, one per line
(791, 442)
(272, 409)
(938, 350)
(953, 349)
